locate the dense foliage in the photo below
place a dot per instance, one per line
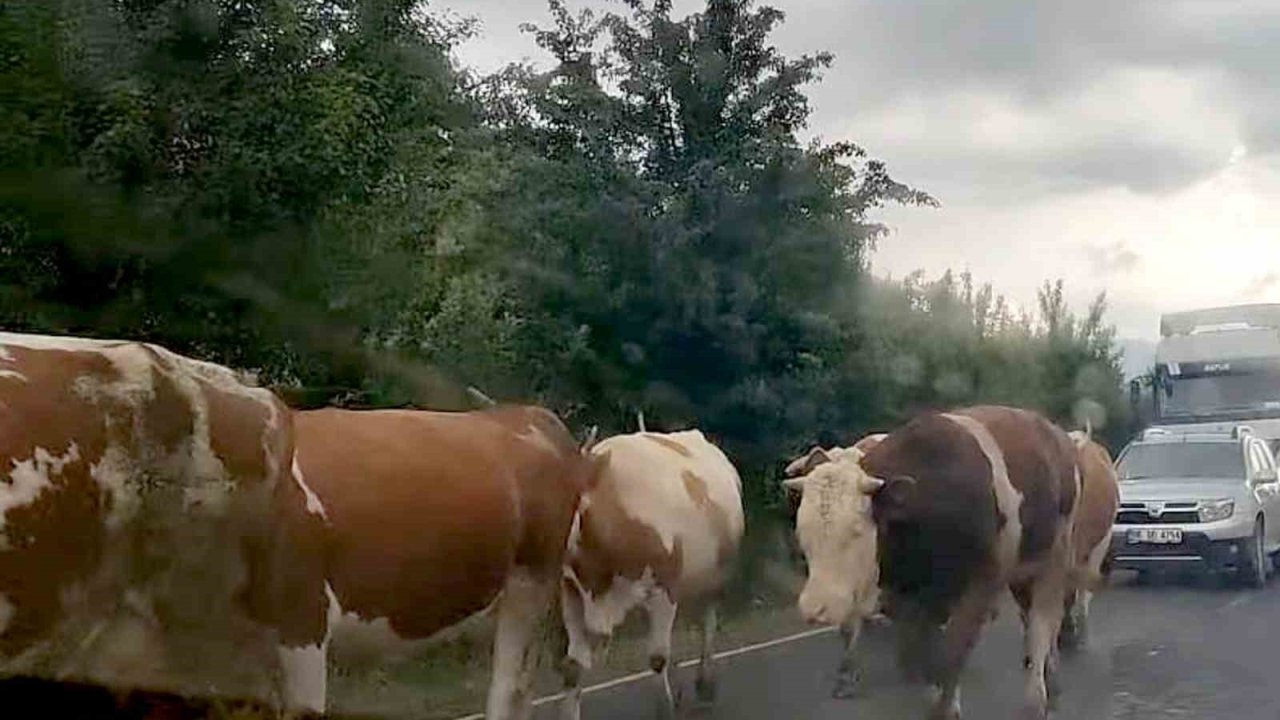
(315, 190)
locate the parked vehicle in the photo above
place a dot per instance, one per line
(1208, 500)
(1219, 367)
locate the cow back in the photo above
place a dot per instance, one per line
(551, 474)
(137, 516)
(666, 506)
(1099, 500)
(951, 525)
(430, 511)
(1041, 459)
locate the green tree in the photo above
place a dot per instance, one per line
(688, 249)
(236, 179)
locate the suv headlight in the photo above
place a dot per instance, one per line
(1215, 510)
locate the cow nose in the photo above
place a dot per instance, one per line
(814, 612)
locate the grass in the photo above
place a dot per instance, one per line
(448, 678)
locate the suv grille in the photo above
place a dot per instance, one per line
(1173, 513)
(1142, 517)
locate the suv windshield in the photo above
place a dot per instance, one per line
(1182, 460)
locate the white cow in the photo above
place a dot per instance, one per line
(658, 528)
(848, 674)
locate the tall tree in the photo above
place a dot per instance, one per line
(705, 248)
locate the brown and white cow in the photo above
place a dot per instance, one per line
(1099, 502)
(150, 531)
(434, 517)
(941, 515)
(658, 528)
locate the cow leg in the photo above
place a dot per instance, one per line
(916, 640)
(578, 654)
(525, 605)
(1079, 612)
(968, 617)
(304, 669)
(1043, 619)
(1073, 621)
(705, 685)
(849, 673)
(662, 618)
(303, 677)
(1024, 594)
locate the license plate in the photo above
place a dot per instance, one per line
(1158, 536)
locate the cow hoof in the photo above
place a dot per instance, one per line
(846, 691)
(1070, 641)
(570, 672)
(666, 710)
(1035, 712)
(847, 687)
(704, 690)
(1075, 629)
(946, 712)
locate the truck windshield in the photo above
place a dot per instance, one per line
(1182, 460)
(1222, 394)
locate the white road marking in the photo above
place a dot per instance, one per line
(636, 677)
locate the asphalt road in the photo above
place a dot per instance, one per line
(1174, 649)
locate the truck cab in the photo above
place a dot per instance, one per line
(1217, 368)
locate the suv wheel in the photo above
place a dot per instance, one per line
(1253, 565)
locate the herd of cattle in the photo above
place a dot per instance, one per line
(164, 523)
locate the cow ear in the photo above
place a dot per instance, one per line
(805, 465)
(793, 485)
(895, 495)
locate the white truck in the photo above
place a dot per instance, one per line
(1217, 369)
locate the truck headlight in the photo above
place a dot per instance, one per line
(1215, 510)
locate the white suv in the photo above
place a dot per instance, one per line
(1208, 500)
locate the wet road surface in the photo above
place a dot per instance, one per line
(1174, 649)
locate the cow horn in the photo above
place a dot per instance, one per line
(591, 438)
(805, 464)
(480, 398)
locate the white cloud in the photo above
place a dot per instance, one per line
(1205, 245)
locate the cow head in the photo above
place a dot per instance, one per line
(837, 534)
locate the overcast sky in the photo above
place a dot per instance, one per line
(1131, 146)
